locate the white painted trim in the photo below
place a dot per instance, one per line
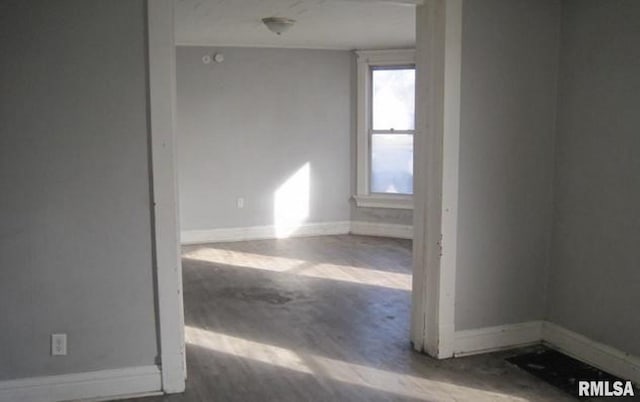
(489, 339)
(162, 95)
(382, 230)
(261, 232)
(309, 229)
(362, 137)
(365, 60)
(597, 354)
(604, 357)
(436, 151)
(450, 171)
(384, 201)
(92, 385)
(386, 57)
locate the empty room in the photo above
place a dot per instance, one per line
(319, 200)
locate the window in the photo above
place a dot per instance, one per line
(386, 126)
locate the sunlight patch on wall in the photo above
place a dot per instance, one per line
(291, 203)
(408, 386)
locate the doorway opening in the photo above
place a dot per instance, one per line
(298, 171)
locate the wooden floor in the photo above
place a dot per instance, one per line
(321, 319)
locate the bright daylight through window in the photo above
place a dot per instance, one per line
(386, 126)
(392, 130)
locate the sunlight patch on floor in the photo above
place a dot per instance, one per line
(337, 370)
(344, 273)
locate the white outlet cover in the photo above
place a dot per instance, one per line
(58, 344)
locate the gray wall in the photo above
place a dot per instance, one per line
(509, 65)
(594, 286)
(75, 237)
(247, 124)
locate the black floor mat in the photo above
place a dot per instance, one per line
(559, 369)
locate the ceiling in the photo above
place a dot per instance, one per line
(321, 24)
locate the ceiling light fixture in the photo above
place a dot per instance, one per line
(278, 25)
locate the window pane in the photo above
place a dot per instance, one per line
(393, 99)
(392, 163)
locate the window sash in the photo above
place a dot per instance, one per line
(390, 131)
(369, 61)
(372, 68)
(370, 162)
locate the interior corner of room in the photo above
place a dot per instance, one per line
(497, 212)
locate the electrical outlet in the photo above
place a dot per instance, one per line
(58, 344)
(240, 202)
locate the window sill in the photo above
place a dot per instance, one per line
(384, 201)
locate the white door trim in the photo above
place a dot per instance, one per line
(438, 69)
(162, 87)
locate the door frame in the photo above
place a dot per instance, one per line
(168, 266)
(436, 175)
(436, 170)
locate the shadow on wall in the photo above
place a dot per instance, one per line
(291, 203)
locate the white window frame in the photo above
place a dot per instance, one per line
(366, 60)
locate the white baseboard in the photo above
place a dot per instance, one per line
(489, 339)
(599, 355)
(307, 229)
(604, 357)
(382, 229)
(262, 232)
(91, 385)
